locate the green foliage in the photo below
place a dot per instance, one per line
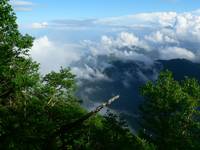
(62, 83)
(105, 133)
(16, 71)
(170, 115)
(34, 108)
(113, 134)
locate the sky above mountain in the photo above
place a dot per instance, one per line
(83, 9)
(69, 31)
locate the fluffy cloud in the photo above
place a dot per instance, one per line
(162, 26)
(52, 55)
(156, 46)
(158, 37)
(167, 33)
(22, 5)
(124, 46)
(89, 73)
(129, 39)
(141, 37)
(187, 27)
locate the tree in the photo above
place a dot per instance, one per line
(170, 113)
(17, 72)
(114, 133)
(33, 107)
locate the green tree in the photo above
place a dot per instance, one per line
(33, 108)
(114, 133)
(170, 113)
(17, 72)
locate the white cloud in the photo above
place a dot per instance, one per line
(126, 46)
(122, 40)
(163, 26)
(176, 52)
(89, 73)
(22, 5)
(109, 45)
(141, 37)
(37, 25)
(187, 27)
(52, 56)
(158, 37)
(178, 33)
(141, 20)
(128, 39)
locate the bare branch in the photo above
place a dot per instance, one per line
(68, 127)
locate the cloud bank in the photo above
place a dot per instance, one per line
(143, 37)
(52, 56)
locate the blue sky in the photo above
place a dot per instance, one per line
(68, 31)
(82, 9)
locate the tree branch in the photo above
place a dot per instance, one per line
(68, 127)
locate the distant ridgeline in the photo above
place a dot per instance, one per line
(182, 68)
(126, 79)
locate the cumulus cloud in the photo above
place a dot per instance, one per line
(144, 37)
(52, 55)
(124, 46)
(129, 39)
(170, 27)
(124, 39)
(158, 37)
(177, 33)
(155, 46)
(22, 5)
